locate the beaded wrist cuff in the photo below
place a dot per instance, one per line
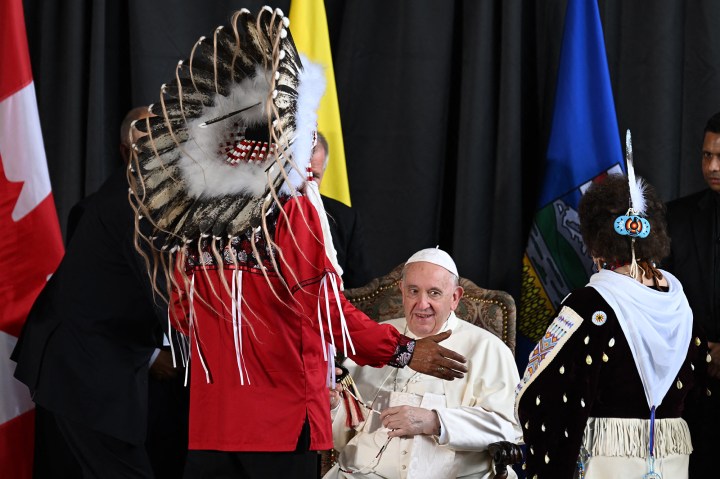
(403, 352)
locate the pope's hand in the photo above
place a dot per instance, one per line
(410, 421)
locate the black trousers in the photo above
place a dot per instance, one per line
(166, 442)
(167, 435)
(298, 464)
(52, 459)
(703, 417)
(104, 457)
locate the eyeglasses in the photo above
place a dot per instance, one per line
(370, 467)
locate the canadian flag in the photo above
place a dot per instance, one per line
(30, 241)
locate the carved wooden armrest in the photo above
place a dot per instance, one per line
(504, 453)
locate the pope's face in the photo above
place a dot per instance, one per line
(429, 295)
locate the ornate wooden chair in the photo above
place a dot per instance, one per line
(493, 310)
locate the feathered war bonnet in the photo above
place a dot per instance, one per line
(232, 132)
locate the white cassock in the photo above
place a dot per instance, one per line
(474, 412)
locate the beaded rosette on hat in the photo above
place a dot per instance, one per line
(229, 140)
(633, 223)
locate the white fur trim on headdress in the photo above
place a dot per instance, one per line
(204, 175)
(311, 88)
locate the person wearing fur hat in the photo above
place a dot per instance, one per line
(394, 423)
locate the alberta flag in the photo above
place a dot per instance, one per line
(584, 145)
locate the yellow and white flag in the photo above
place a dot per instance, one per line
(308, 24)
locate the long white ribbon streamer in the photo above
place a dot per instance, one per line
(170, 333)
(323, 284)
(331, 367)
(344, 331)
(343, 323)
(237, 325)
(322, 331)
(194, 331)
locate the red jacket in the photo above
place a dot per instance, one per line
(281, 344)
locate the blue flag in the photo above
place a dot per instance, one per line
(584, 146)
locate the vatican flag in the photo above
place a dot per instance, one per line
(308, 24)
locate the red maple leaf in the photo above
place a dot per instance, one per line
(30, 251)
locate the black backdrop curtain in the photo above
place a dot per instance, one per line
(446, 105)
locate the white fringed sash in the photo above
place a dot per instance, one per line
(313, 194)
(335, 281)
(618, 437)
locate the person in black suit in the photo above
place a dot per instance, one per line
(87, 343)
(345, 225)
(168, 398)
(694, 228)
